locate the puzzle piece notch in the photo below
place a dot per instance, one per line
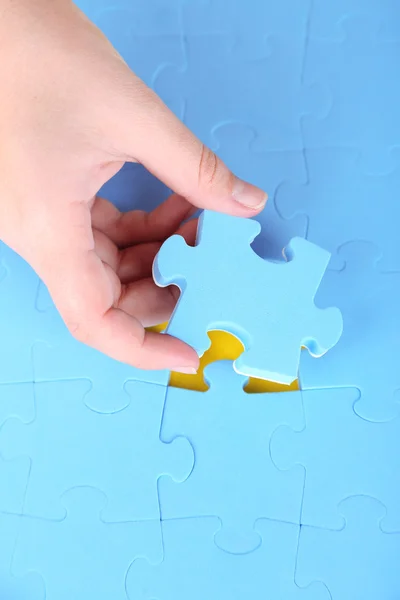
(287, 323)
(230, 431)
(81, 556)
(193, 566)
(372, 320)
(365, 462)
(358, 562)
(80, 457)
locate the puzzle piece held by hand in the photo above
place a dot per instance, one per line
(267, 305)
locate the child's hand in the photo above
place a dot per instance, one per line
(71, 114)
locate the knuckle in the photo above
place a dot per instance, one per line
(78, 329)
(212, 171)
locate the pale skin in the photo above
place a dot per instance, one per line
(71, 114)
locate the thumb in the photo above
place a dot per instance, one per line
(169, 150)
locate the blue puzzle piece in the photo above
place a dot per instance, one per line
(368, 353)
(233, 477)
(360, 562)
(193, 566)
(214, 62)
(343, 455)
(69, 444)
(262, 19)
(81, 557)
(341, 202)
(326, 18)
(267, 305)
(30, 587)
(21, 324)
(67, 359)
(360, 89)
(235, 144)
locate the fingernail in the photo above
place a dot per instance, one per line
(249, 195)
(186, 370)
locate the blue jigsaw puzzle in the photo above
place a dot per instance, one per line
(232, 461)
(360, 562)
(206, 56)
(249, 297)
(300, 98)
(355, 457)
(83, 543)
(69, 444)
(193, 566)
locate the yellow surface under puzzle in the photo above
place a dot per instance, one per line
(224, 346)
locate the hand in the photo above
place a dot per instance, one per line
(71, 114)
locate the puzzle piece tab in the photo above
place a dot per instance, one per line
(233, 477)
(69, 444)
(343, 455)
(82, 557)
(251, 298)
(368, 353)
(360, 562)
(341, 202)
(193, 566)
(360, 88)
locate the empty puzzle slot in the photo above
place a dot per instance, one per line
(224, 346)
